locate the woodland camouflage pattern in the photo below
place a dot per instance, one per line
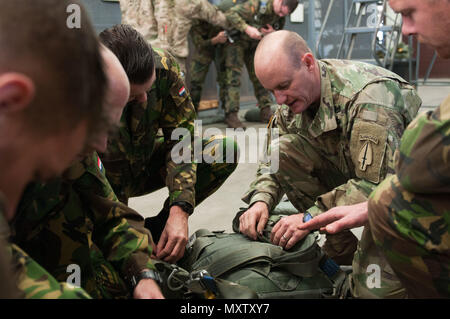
(165, 24)
(78, 220)
(409, 212)
(31, 281)
(324, 151)
(242, 51)
(205, 53)
(138, 160)
(8, 287)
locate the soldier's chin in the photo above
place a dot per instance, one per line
(297, 107)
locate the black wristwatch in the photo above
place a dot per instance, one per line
(185, 206)
(146, 274)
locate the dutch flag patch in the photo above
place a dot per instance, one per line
(100, 164)
(182, 91)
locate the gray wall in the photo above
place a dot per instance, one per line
(104, 14)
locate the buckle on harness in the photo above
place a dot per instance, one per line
(201, 281)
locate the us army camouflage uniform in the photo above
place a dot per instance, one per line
(166, 23)
(139, 161)
(336, 153)
(78, 220)
(242, 51)
(409, 212)
(205, 53)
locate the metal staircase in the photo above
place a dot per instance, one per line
(383, 27)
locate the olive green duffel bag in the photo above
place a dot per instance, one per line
(270, 271)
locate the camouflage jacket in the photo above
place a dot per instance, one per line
(67, 220)
(202, 33)
(22, 277)
(255, 13)
(362, 106)
(168, 107)
(425, 149)
(8, 287)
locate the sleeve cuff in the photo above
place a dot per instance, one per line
(263, 197)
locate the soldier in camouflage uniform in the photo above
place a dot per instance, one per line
(44, 123)
(338, 132)
(8, 288)
(77, 219)
(207, 40)
(140, 161)
(250, 18)
(166, 23)
(409, 212)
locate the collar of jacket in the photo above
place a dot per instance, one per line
(4, 226)
(325, 119)
(268, 11)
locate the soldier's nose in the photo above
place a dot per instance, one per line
(142, 98)
(281, 98)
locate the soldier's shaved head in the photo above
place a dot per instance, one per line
(64, 64)
(118, 91)
(287, 43)
(52, 88)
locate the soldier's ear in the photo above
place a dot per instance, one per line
(16, 92)
(308, 61)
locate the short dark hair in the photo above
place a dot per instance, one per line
(130, 47)
(64, 63)
(291, 4)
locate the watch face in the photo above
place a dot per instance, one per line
(307, 217)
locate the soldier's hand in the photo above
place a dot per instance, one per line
(253, 33)
(174, 237)
(338, 218)
(285, 233)
(267, 29)
(147, 289)
(221, 37)
(254, 220)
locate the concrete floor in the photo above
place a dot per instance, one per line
(217, 211)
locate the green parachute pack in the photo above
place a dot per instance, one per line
(268, 270)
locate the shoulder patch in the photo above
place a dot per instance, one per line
(368, 147)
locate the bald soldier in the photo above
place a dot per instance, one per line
(77, 219)
(44, 122)
(339, 126)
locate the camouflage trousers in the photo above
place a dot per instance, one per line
(412, 231)
(200, 63)
(210, 176)
(372, 277)
(236, 55)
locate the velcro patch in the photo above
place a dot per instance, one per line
(368, 149)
